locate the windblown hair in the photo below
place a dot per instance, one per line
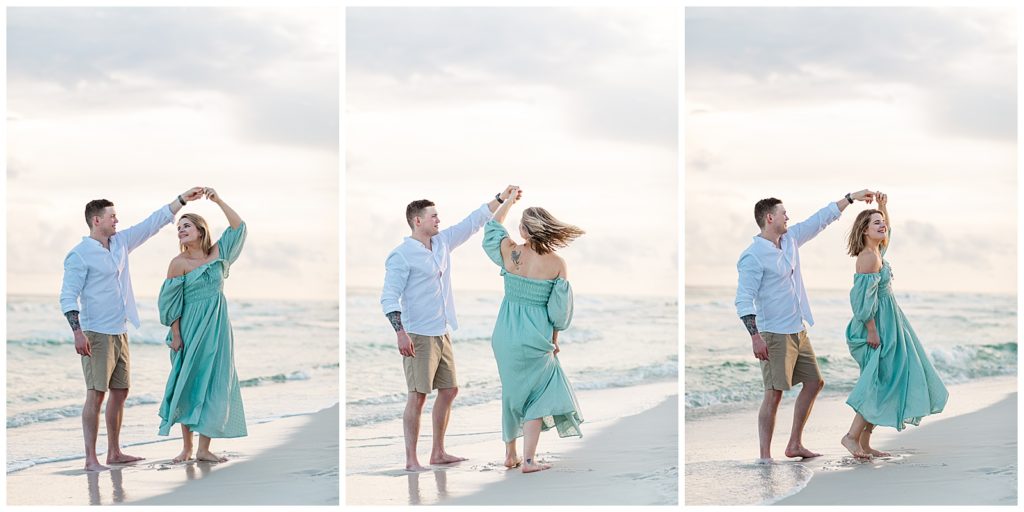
(764, 207)
(415, 208)
(95, 208)
(205, 241)
(546, 232)
(855, 242)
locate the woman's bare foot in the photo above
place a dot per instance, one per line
(95, 466)
(513, 461)
(209, 457)
(853, 446)
(186, 454)
(531, 466)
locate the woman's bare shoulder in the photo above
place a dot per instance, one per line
(868, 262)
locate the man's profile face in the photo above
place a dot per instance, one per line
(428, 222)
(106, 224)
(778, 219)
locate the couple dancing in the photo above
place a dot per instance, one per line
(417, 299)
(897, 383)
(202, 392)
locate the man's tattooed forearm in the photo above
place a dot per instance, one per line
(396, 320)
(72, 317)
(749, 321)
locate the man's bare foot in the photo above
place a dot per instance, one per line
(444, 458)
(186, 454)
(513, 461)
(414, 466)
(95, 466)
(210, 457)
(800, 451)
(873, 452)
(853, 446)
(764, 461)
(532, 467)
(122, 458)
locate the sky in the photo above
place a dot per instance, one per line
(136, 105)
(807, 104)
(578, 107)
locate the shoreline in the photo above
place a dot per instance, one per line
(260, 471)
(628, 454)
(969, 459)
(980, 416)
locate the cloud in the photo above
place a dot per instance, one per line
(282, 80)
(961, 61)
(619, 82)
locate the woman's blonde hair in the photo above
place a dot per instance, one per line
(546, 232)
(855, 242)
(204, 232)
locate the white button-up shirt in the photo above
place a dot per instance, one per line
(770, 283)
(99, 277)
(418, 281)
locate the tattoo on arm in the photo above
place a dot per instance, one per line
(515, 256)
(72, 317)
(396, 320)
(750, 322)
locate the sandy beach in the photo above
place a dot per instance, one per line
(965, 455)
(628, 455)
(290, 461)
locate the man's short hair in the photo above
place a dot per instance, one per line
(764, 207)
(415, 208)
(95, 208)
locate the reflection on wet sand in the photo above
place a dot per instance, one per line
(193, 470)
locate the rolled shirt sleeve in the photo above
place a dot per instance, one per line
(396, 276)
(139, 233)
(803, 232)
(75, 271)
(750, 272)
(456, 235)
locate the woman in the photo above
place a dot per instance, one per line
(202, 389)
(897, 383)
(535, 393)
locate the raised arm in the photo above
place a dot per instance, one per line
(233, 219)
(189, 195)
(512, 195)
(883, 203)
(862, 195)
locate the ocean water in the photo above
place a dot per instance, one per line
(967, 336)
(613, 342)
(286, 355)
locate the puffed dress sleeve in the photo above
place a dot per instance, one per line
(231, 242)
(494, 233)
(864, 300)
(171, 302)
(560, 305)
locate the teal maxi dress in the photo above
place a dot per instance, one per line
(202, 389)
(897, 383)
(533, 385)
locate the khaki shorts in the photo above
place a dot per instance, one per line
(108, 367)
(790, 359)
(434, 364)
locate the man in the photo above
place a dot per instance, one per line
(417, 299)
(772, 303)
(96, 274)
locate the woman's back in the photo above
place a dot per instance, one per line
(523, 261)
